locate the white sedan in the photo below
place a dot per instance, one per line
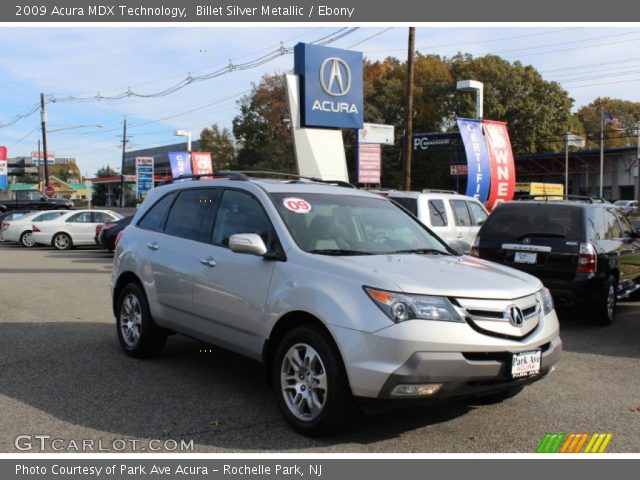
(19, 229)
(77, 227)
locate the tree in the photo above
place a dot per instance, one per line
(262, 128)
(221, 145)
(66, 172)
(99, 195)
(628, 114)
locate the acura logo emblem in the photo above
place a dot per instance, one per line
(335, 77)
(526, 241)
(514, 315)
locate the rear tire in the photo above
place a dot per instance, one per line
(26, 239)
(605, 308)
(138, 334)
(310, 383)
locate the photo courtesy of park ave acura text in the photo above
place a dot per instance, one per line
(324, 239)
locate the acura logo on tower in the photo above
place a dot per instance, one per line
(335, 77)
(514, 315)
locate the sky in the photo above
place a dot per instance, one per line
(75, 65)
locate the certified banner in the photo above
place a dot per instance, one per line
(479, 176)
(144, 177)
(201, 162)
(3, 168)
(180, 164)
(503, 172)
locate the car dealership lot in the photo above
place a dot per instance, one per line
(62, 373)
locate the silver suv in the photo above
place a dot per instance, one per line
(340, 293)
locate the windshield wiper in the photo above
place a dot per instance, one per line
(542, 235)
(339, 251)
(420, 251)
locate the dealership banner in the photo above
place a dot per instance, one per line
(3, 168)
(478, 162)
(180, 164)
(331, 86)
(201, 163)
(503, 172)
(144, 177)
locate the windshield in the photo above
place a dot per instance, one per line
(353, 225)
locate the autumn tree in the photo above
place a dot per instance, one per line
(220, 144)
(616, 135)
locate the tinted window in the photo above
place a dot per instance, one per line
(84, 217)
(410, 204)
(193, 213)
(515, 221)
(478, 214)
(611, 226)
(596, 224)
(154, 218)
(240, 213)
(437, 213)
(102, 217)
(463, 219)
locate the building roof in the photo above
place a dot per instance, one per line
(22, 186)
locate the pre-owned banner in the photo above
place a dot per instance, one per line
(3, 168)
(503, 173)
(201, 163)
(180, 164)
(479, 177)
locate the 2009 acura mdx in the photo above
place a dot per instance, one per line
(343, 295)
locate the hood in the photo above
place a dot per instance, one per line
(452, 276)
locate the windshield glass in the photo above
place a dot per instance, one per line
(353, 225)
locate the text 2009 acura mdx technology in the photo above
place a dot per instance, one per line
(343, 295)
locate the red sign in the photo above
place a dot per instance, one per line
(458, 170)
(369, 163)
(49, 191)
(201, 163)
(3, 153)
(503, 173)
(296, 205)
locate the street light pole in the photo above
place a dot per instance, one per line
(186, 133)
(566, 163)
(474, 86)
(124, 145)
(43, 118)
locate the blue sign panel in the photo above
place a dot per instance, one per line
(144, 176)
(330, 86)
(180, 164)
(479, 176)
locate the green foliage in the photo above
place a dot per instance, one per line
(627, 112)
(220, 144)
(99, 195)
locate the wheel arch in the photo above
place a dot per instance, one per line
(58, 233)
(123, 280)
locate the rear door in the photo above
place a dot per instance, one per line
(542, 239)
(468, 218)
(629, 252)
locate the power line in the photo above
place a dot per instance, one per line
(20, 116)
(20, 141)
(370, 37)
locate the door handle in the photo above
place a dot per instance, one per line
(209, 261)
(153, 246)
(459, 235)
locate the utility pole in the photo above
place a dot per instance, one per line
(601, 152)
(43, 117)
(408, 129)
(39, 166)
(124, 146)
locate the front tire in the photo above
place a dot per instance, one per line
(26, 239)
(310, 383)
(138, 334)
(605, 308)
(61, 241)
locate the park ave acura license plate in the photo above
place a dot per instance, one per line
(524, 364)
(525, 257)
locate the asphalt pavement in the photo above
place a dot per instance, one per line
(63, 376)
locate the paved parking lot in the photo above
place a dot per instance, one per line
(62, 374)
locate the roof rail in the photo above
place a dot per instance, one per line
(221, 174)
(249, 174)
(552, 197)
(430, 190)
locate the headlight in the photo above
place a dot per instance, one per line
(400, 306)
(547, 301)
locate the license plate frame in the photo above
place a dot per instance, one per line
(530, 258)
(526, 364)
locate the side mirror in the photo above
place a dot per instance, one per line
(250, 243)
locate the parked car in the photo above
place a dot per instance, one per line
(342, 294)
(453, 217)
(19, 230)
(72, 228)
(107, 233)
(7, 217)
(585, 252)
(626, 207)
(34, 200)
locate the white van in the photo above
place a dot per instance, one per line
(453, 217)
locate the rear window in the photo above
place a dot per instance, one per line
(513, 222)
(407, 203)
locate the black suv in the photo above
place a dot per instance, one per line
(584, 251)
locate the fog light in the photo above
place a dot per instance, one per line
(420, 390)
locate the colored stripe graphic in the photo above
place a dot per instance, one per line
(559, 442)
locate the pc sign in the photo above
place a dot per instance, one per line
(330, 86)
